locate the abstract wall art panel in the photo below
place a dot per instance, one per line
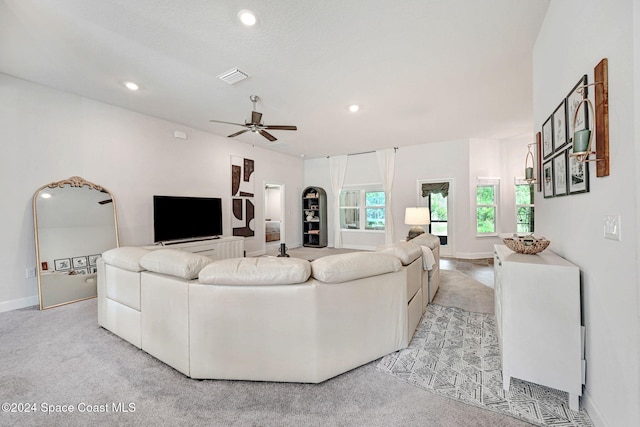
(242, 193)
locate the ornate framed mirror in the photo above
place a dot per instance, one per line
(75, 221)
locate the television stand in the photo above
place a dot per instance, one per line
(177, 242)
(215, 247)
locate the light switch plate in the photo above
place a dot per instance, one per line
(612, 227)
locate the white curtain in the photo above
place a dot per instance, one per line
(386, 166)
(337, 168)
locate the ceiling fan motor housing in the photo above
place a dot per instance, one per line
(256, 125)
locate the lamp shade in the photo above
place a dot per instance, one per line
(416, 216)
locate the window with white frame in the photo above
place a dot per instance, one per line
(525, 208)
(362, 208)
(487, 195)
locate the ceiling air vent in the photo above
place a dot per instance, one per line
(232, 76)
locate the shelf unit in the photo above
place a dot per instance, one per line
(314, 217)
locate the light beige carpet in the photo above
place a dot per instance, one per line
(459, 290)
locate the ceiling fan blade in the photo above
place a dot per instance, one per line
(279, 127)
(267, 135)
(238, 133)
(256, 117)
(228, 123)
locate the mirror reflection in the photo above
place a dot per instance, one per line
(75, 221)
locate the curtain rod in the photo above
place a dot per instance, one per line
(366, 152)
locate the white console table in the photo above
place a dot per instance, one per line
(221, 248)
(537, 308)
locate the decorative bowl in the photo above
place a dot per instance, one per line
(526, 245)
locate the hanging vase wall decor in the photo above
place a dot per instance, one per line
(529, 164)
(582, 138)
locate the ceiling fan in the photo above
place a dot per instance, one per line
(256, 125)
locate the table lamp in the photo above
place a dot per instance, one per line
(416, 217)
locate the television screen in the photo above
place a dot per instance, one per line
(180, 218)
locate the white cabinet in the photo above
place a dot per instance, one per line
(222, 248)
(537, 308)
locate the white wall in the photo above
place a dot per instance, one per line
(575, 36)
(272, 209)
(461, 161)
(49, 136)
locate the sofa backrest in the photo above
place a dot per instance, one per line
(354, 265)
(406, 252)
(256, 271)
(125, 257)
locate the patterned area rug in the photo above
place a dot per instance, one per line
(455, 353)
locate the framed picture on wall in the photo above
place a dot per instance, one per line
(62, 264)
(80, 262)
(547, 176)
(93, 259)
(560, 126)
(578, 176)
(574, 99)
(560, 174)
(547, 138)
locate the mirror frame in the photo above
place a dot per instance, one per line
(73, 182)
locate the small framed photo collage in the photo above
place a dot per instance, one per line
(562, 174)
(77, 265)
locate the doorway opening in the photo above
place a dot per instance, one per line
(274, 229)
(437, 196)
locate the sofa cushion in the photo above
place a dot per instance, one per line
(426, 239)
(125, 257)
(406, 252)
(174, 262)
(256, 271)
(354, 265)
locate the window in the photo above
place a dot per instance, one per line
(524, 207)
(487, 191)
(362, 203)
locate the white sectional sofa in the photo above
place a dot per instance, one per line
(264, 319)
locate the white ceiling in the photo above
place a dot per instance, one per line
(421, 70)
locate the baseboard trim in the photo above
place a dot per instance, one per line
(592, 409)
(19, 303)
(473, 255)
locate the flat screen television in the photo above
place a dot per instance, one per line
(183, 218)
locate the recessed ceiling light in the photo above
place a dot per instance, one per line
(45, 195)
(354, 108)
(247, 17)
(131, 86)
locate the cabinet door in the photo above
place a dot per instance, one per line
(497, 295)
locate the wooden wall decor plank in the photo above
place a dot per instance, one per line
(601, 78)
(539, 160)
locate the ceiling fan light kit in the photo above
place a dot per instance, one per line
(256, 125)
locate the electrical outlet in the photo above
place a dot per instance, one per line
(612, 227)
(31, 272)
